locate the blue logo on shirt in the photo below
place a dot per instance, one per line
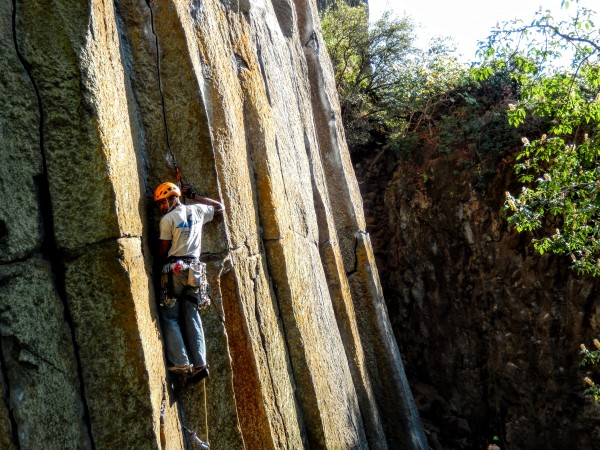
(189, 222)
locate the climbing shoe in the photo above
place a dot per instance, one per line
(198, 373)
(184, 370)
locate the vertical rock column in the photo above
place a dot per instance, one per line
(271, 119)
(41, 393)
(190, 146)
(73, 55)
(402, 424)
(276, 120)
(232, 95)
(329, 246)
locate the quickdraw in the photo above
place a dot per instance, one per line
(167, 291)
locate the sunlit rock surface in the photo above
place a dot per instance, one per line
(100, 101)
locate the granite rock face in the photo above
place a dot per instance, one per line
(101, 100)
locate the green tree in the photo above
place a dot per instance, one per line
(590, 360)
(557, 68)
(384, 82)
(365, 61)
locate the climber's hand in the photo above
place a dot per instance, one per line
(188, 191)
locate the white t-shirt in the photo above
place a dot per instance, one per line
(183, 227)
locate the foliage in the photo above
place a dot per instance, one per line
(559, 168)
(398, 96)
(385, 83)
(472, 116)
(365, 60)
(591, 359)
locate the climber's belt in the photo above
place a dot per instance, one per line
(196, 287)
(186, 259)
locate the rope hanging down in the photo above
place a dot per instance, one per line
(179, 181)
(192, 434)
(162, 95)
(203, 445)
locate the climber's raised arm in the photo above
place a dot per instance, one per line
(190, 193)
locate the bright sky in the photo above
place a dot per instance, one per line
(467, 21)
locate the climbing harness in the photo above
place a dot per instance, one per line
(167, 291)
(196, 290)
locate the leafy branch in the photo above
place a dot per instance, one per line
(559, 170)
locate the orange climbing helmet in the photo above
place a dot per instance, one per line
(166, 190)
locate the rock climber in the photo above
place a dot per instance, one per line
(183, 278)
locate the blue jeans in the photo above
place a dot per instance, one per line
(182, 328)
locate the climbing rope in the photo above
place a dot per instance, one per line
(178, 177)
(205, 412)
(203, 445)
(162, 94)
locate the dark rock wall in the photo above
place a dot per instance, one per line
(489, 330)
